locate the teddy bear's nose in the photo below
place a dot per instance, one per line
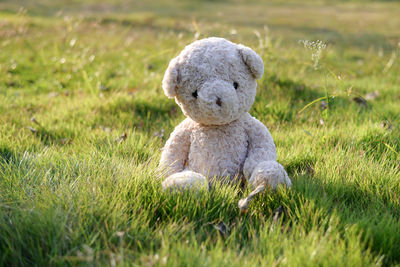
(219, 102)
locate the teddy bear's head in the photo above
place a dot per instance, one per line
(214, 80)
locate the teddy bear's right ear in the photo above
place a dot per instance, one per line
(171, 78)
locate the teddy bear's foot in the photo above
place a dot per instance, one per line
(270, 173)
(185, 180)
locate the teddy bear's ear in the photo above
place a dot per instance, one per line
(171, 78)
(252, 60)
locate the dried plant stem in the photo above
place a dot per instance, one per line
(244, 202)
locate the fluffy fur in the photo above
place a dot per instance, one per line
(214, 82)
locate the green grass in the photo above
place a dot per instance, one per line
(90, 72)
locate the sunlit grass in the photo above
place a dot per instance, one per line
(83, 119)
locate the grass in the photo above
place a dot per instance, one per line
(83, 119)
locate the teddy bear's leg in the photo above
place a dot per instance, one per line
(270, 173)
(185, 180)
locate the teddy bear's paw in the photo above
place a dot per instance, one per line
(270, 173)
(185, 180)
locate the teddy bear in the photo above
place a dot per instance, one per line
(214, 83)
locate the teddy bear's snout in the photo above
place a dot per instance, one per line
(216, 103)
(218, 94)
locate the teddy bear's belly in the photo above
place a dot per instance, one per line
(218, 151)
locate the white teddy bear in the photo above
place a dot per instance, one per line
(214, 82)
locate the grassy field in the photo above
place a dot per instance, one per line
(83, 119)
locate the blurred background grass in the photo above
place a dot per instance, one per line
(83, 119)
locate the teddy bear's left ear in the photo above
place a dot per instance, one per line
(171, 78)
(252, 60)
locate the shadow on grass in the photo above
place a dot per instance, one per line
(295, 95)
(6, 154)
(136, 113)
(52, 137)
(292, 89)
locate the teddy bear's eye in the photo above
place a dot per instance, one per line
(194, 94)
(236, 85)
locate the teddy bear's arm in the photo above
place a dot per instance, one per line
(175, 152)
(261, 165)
(261, 145)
